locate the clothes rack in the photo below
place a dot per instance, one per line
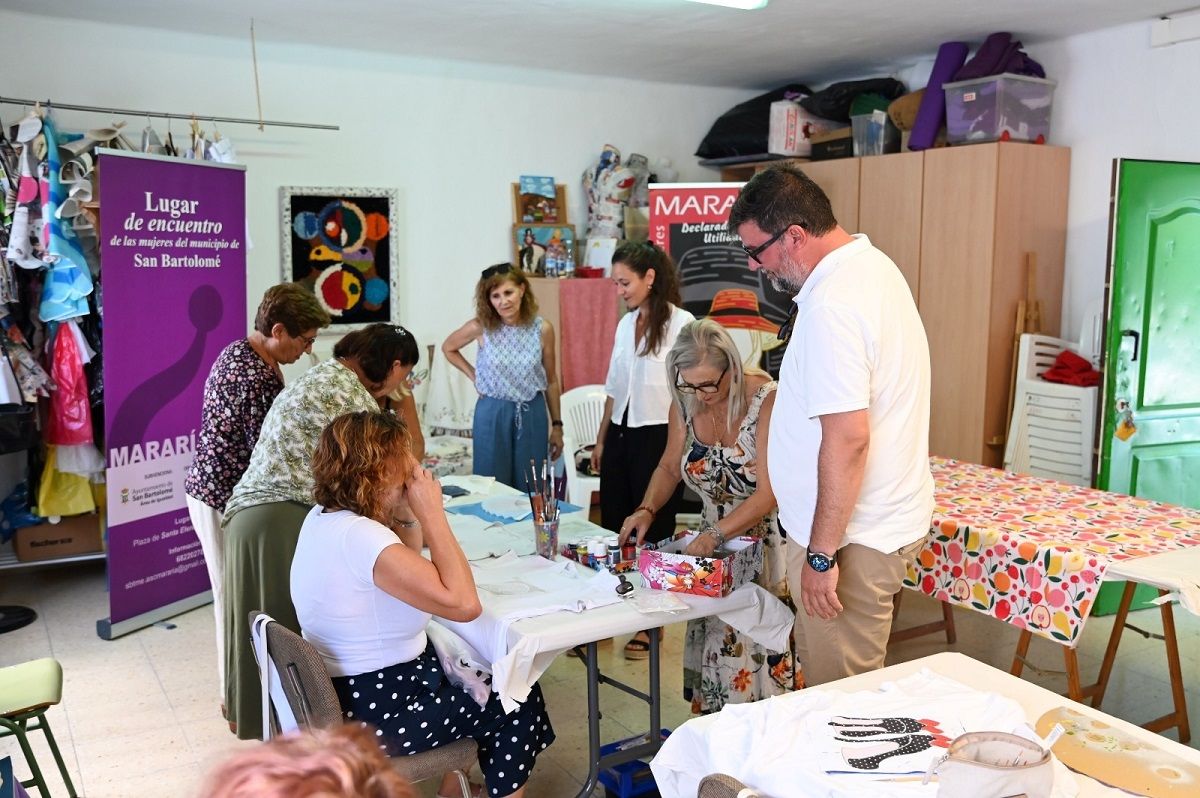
(225, 120)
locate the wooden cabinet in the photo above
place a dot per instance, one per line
(959, 222)
(984, 208)
(889, 209)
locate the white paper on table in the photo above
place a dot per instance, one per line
(481, 539)
(513, 508)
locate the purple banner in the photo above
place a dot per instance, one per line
(174, 294)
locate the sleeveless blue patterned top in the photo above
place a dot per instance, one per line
(509, 365)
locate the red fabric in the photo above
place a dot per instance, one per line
(70, 420)
(588, 317)
(1071, 369)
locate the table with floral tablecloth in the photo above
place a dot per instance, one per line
(1031, 551)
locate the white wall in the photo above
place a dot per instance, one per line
(1117, 97)
(450, 136)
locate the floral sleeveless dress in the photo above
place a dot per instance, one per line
(721, 665)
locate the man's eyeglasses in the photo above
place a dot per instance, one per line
(704, 387)
(308, 340)
(789, 324)
(754, 252)
(492, 271)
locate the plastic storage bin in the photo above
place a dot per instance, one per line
(874, 134)
(999, 108)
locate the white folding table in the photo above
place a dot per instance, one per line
(686, 757)
(527, 647)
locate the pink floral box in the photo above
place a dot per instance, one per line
(668, 568)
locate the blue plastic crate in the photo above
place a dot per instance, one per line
(632, 778)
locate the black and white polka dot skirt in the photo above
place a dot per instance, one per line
(414, 708)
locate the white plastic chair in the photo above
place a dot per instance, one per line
(1053, 425)
(582, 411)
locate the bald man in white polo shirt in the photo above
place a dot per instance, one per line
(849, 437)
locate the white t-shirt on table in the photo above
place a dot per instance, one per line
(355, 626)
(858, 344)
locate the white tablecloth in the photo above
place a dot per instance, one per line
(521, 650)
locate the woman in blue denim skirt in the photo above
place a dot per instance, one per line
(516, 417)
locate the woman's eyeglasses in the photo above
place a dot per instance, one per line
(308, 340)
(492, 271)
(704, 387)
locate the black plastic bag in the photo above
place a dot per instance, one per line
(743, 129)
(18, 427)
(834, 101)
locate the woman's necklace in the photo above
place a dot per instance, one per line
(719, 433)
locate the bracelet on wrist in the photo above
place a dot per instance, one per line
(649, 509)
(713, 532)
(556, 423)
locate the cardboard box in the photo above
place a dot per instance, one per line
(792, 129)
(833, 144)
(668, 568)
(76, 534)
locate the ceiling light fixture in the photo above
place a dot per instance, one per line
(742, 5)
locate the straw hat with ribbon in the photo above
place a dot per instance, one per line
(737, 309)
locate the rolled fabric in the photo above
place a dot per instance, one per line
(932, 113)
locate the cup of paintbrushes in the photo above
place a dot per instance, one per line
(545, 534)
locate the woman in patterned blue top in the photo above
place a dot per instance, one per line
(517, 411)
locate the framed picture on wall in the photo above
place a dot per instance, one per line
(341, 244)
(544, 250)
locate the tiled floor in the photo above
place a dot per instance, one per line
(139, 715)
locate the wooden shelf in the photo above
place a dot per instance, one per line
(9, 561)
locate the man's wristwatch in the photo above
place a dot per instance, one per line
(821, 562)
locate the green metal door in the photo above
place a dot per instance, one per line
(1150, 432)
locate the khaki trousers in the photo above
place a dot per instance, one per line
(856, 640)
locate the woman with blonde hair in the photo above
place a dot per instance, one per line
(516, 417)
(341, 762)
(718, 442)
(364, 594)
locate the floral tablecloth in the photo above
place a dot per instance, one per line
(1033, 551)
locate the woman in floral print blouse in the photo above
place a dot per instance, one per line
(243, 382)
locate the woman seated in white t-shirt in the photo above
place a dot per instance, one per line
(363, 595)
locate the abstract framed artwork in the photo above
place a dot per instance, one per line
(341, 244)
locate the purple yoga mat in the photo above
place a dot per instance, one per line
(950, 58)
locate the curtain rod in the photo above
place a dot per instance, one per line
(228, 120)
